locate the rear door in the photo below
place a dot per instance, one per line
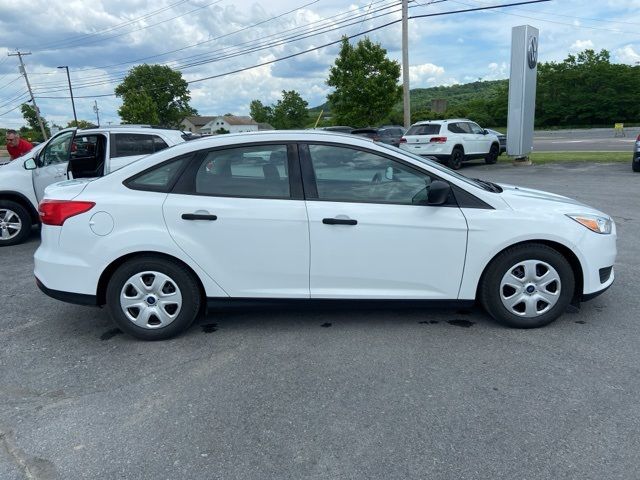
(52, 162)
(419, 138)
(239, 214)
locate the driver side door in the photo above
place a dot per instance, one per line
(52, 162)
(372, 233)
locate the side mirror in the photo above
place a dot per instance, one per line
(30, 164)
(438, 192)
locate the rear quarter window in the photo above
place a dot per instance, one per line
(130, 144)
(429, 129)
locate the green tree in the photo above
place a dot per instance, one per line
(259, 112)
(290, 111)
(365, 83)
(154, 94)
(33, 131)
(80, 124)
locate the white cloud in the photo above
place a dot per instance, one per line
(627, 54)
(580, 45)
(425, 74)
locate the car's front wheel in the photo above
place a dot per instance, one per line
(527, 286)
(635, 164)
(15, 223)
(492, 157)
(153, 298)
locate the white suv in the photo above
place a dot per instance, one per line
(71, 153)
(451, 141)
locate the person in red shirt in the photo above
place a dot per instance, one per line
(16, 146)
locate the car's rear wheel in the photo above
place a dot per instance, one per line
(455, 159)
(153, 298)
(15, 223)
(492, 157)
(527, 286)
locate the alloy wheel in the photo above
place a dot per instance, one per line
(10, 224)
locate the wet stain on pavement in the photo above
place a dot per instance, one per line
(461, 323)
(581, 322)
(429, 322)
(109, 334)
(325, 325)
(209, 327)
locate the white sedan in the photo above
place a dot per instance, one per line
(312, 216)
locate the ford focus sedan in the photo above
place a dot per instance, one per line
(311, 217)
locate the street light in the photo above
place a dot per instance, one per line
(71, 92)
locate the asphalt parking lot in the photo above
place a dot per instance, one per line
(358, 394)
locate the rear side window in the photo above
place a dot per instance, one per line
(130, 144)
(459, 127)
(159, 178)
(254, 172)
(428, 129)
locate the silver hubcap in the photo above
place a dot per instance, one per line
(151, 300)
(10, 224)
(530, 288)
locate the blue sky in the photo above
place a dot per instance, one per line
(102, 39)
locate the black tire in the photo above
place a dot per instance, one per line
(455, 159)
(490, 286)
(187, 286)
(24, 230)
(635, 165)
(492, 157)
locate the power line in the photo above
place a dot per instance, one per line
(267, 43)
(115, 27)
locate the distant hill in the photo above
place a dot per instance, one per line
(455, 95)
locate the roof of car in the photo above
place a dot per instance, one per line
(447, 120)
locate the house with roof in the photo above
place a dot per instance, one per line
(194, 123)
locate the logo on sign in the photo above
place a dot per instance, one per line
(532, 52)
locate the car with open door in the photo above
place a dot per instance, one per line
(70, 154)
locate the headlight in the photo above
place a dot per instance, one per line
(595, 223)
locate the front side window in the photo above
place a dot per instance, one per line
(475, 128)
(57, 150)
(350, 175)
(256, 172)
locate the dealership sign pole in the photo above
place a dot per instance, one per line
(522, 90)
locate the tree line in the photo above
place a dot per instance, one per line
(583, 90)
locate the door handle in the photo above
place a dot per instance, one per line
(198, 216)
(339, 221)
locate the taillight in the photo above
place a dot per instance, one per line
(403, 140)
(438, 140)
(56, 212)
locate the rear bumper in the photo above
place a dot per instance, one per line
(68, 297)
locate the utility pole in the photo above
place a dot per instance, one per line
(73, 105)
(97, 110)
(23, 71)
(405, 64)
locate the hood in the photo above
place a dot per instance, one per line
(67, 190)
(520, 198)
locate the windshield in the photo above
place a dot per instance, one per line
(435, 165)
